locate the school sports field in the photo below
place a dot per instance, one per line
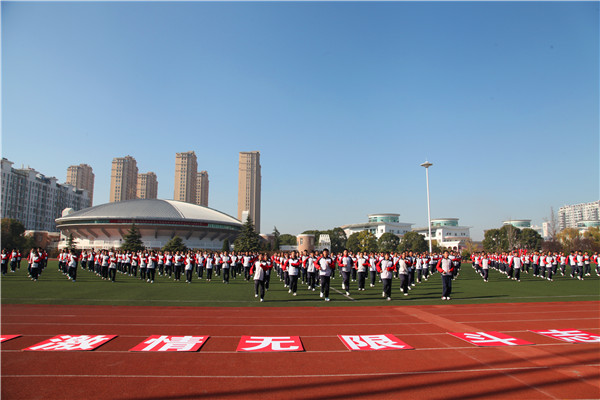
(439, 365)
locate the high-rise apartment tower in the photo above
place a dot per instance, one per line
(186, 171)
(123, 179)
(82, 177)
(249, 187)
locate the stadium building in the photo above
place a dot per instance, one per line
(103, 226)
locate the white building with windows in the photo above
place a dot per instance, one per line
(379, 224)
(569, 216)
(446, 232)
(35, 199)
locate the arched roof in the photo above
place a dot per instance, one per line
(156, 209)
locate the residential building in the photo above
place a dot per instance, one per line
(569, 216)
(36, 200)
(249, 181)
(82, 177)
(147, 186)
(186, 181)
(202, 189)
(123, 179)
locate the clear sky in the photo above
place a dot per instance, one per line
(344, 100)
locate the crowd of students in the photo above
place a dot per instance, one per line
(544, 265)
(36, 262)
(312, 269)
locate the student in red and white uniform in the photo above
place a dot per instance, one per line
(4, 260)
(586, 264)
(178, 260)
(361, 266)
(112, 266)
(247, 261)
(311, 270)
(293, 269)
(515, 265)
(259, 269)
(13, 260)
(372, 269)
(485, 266)
(199, 260)
(444, 266)
(73, 265)
(402, 266)
(580, 265)
(325, 266)
(346, 265)
(189, 267)
(35, 265)
(209, 263)
(225, 263)
(386, 268)
(151, 267)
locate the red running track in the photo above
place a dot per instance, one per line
(440, 367)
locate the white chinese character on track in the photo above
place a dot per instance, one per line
(373, 342)
(68, 342)
(275, 343)
(483, 337)
(173, 343)
(572, 336)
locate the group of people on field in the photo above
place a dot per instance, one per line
(36, 262)
(543, 265)
(313, 269)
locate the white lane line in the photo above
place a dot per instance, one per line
(343, 294)
(493, 370)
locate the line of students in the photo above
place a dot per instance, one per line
(544, 265)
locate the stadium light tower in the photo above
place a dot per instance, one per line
(427, 164)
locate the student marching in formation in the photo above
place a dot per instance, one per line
(259, 269)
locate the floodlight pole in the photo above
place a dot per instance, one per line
(426, 165)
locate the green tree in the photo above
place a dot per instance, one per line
(287, 240)
(367, 241)
(226, 245)
(70, 242)
(174, 244)
(132, 241)
(352, 243)
(276, 240)
(13, 234)
(388, 242)
(338, 239)
(413, 241)
(530, 240)
(248, 239)
(569, 239)
(593, 233)
(493, 241)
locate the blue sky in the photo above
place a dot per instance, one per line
(344, 100)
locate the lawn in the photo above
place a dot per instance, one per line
(54, 288)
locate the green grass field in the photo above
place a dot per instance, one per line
(54, 288)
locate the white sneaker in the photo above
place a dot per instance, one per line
(443, 297)
(327, 299)
(389, 299)
(261, 300)
(347, 293)
(255, 295)
(382, 294)
(447, 298)
(294, 294)
(406, 294)
(313, 289)
(321, 294)
(290, 291)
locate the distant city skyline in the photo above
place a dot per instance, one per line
(344, 101)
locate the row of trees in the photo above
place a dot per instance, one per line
(510, 238)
